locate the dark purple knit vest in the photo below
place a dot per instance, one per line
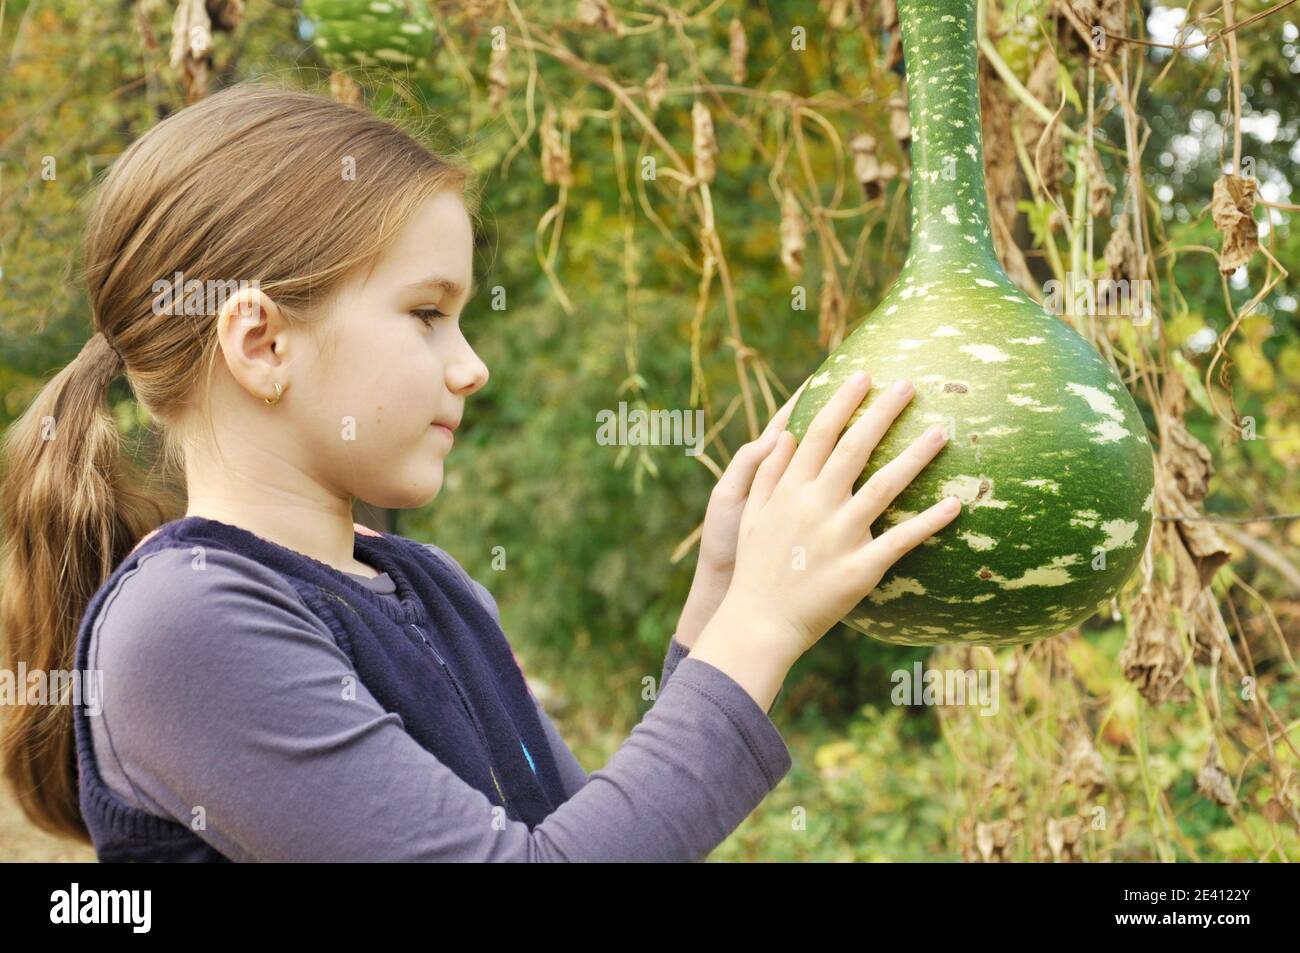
(436, 657)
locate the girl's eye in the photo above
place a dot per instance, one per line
(428, 315)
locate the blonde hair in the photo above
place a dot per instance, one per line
(249, 184)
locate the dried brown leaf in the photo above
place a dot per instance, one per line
(598, 13)
(739, 50)
(1046, 140)
(1100, 189)
(1232, 207)
(1063, 838)
(1213, 780)
(831, 311)
(1121, 252)
(793, 229)
(1083, 767)
(1152, 657)
(191, 49)
(556, 167)
(656, 87)
(993, 838)
(705, 142)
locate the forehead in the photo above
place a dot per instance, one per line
(436, 242)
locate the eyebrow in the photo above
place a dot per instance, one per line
(442, 283)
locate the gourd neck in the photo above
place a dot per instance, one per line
(950, 219)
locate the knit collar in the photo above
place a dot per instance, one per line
(380, 551)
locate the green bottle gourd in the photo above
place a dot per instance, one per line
(373, 33)
(1047, 450)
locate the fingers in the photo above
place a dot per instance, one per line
(782, 416)
(886, 483)
(892, 545)
(854, 449)
(770, 472)
(825, 430)
(738, 476)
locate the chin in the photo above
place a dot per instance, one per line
(410, 497)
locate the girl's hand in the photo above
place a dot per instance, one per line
(717, 558)
(806, 555)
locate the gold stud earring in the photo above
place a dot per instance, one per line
(276, 399)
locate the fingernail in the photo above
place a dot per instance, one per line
(858, 378)
(901, 387)
(936, 434)
(951, 505)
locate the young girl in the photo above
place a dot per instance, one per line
(279, 683)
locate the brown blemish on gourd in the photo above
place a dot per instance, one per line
(955, 387)
(986, 574)
(985, 486)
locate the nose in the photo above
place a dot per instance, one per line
(467, 373)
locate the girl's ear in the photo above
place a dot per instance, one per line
(252, 333)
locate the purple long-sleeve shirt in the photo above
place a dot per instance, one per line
(222, 690)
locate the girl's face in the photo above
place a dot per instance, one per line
(393, 361)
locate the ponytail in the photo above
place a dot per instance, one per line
(70, 510)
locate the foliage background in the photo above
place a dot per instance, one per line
(590, 591)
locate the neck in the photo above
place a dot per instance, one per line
(950, 221)
(330, 541)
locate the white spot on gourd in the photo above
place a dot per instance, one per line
(984, 352)
(1086, 518)
(1149, 502)
(1050, 485)
(819, 380)
(945, 331)
(1099, 401)
(895, 588)
(1052, 574)
(1107, 432)
(1119, 533)
(985, 283)
(950, 213)
(1033, 340)
(973, 491)
(978, 542)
